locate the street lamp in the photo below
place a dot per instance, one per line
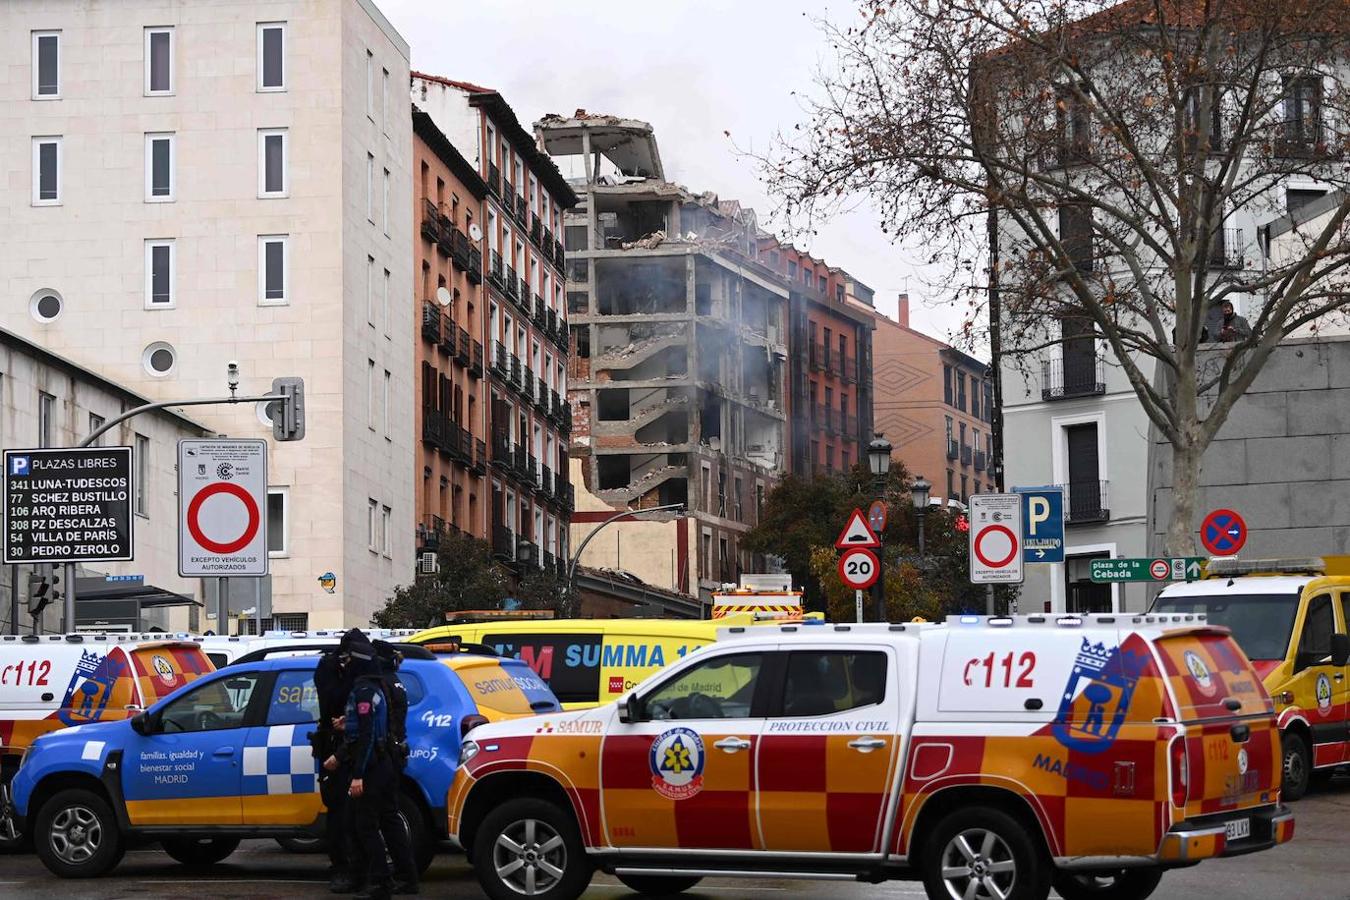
(627, 513)
(918, 493)
(879, 461)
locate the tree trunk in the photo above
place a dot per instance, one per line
(1186, 459)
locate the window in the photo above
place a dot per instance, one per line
(159, 180)
(1314, 647)
(215, 706)
(46, 65)
(1085, 500)
(158, 359)
(272, 56)
(1302, 112)
(1075, 234)
(95, 423)
(386, 518)
(947, 385)
(272, 270)
(295, 701)
(384, 302)
(1072, 128)
(142, 486)
(278, 521)
(820, 682)
(46, 171)
(370, 86)
(384, 100)
(372, 512)
(384, 204)
(370, 394)
(46, 305)
(974, 396)
(46, 419)
(272, 175)
(370, 188)
(159, 274)
(951, 483)
(719, 688)
(961, 392)
(370, 290)
(159, 60)
(388, 386)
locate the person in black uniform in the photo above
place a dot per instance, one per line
(374, 777)
(397, 838)
(333, 686)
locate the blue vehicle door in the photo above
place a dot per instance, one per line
(187, 769)
(280, 775)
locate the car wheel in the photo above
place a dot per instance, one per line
(531, 848)
(659, 885)
(12, 838)
(1116, 884)
(982, 853)
(303, 844)
(1297, 766)
(420, 836)
(199, 852)
(76, 835)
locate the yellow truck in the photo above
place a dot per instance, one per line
(1290, 618)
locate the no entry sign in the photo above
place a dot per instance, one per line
(996, 539)
(1223, 532)
(222, 504)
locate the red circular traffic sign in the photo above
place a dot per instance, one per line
(250, 506)
(876, 516)
(1000, 562)
(859, 568)
(1160, 569)
(1223, 532)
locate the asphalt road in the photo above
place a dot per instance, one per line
(1314, 866)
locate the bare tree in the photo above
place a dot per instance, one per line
(1094, 152)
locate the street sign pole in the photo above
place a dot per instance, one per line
(857, 605)
(988, 599)
(223, 605)
(68, 610)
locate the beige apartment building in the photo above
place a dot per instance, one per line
(194, 183)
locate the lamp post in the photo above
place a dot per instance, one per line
(879, 461)
(918, 493)
(627, 513)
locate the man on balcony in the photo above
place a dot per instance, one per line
(1234, 327)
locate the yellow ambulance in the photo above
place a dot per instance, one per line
(1290, 617)
(586, 662)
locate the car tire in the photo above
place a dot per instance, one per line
(1116, 884)
(659, 885)
(984, 843)
(1296, 765)
(527, 826)
(76, 835)
(420, 835)
(199, 853)
(12, 838)
(303, 845)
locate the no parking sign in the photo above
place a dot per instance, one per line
(222, 508)
(996, 539)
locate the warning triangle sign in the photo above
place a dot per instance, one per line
(856, 533)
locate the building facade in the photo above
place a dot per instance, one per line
(451, 462)
(935, 405)
(830, 367)
(679, 357)
(529, 496)
(201, 183)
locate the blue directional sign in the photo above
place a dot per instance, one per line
(1042, 524)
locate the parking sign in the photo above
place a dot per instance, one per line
(1042, 524)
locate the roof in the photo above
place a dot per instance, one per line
(450, 82)
(425, 128)
(1241, 584)
(70, 367)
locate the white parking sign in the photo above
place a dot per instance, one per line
(222, 508)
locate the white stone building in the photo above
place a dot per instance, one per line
(188, 184)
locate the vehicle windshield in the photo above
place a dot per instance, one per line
(1261, 623)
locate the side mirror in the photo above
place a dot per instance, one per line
(630, 710)
(141, 724)
(1340, 649)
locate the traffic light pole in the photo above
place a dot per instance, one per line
(13, 599)
(290, 391)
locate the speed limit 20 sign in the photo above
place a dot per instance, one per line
(858, 568)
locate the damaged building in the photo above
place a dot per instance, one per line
(678, 367)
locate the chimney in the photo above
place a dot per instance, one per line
(902, 311)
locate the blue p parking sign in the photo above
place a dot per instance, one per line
(18, 466)
(1042, 524)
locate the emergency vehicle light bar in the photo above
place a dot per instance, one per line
(1223, 566)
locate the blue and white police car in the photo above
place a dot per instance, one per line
(228, 758)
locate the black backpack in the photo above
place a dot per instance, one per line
(396, 696)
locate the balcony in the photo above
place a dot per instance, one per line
(512, 283)
(559, 257)
(464, 348)
(555, 405)
(1076, 375)
(980, 461)
(480, 459)
(953, 449)
(848, 368)
(540, 312)
(1226, 250)
(508, 194)
(495, 272)
(536, 229)
(431, 322)
(551, 324)
(501, 450)
(448, 337)
(459, 249)
(1086, 501)
(520, 461)
(565, 418)
(446, 245)
(967, 454)
(475, 270)
(546, 481)
(431, 221)
(522, 212)
(567, 495)
(516, 372)
(430, 532)
(494, 179)
(546, 244)
(503, 542)
(527, 383)
(817, 357)
(433, 426)
(476, 361)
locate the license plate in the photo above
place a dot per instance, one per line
(1237, 829)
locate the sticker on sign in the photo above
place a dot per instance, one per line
(996, 539)
(222, 508)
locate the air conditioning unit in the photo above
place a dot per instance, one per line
(428, 563)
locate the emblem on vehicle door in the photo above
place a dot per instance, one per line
(1200, 673)
(1323, 695)
(676, 761)
(1097, 697)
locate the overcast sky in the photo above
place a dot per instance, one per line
(693, 68)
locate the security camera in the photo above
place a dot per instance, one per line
(232, 375)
